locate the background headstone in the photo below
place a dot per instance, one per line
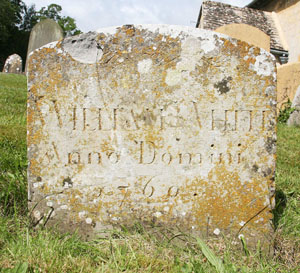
(294, 119)
(160, 124)
(44, 32)
(13, 64)
(288, 80)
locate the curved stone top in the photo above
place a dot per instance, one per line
(13, 64)
(44, 32)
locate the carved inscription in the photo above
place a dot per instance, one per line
(149, 154)
(147, 190)
(120, 119)
(93, 158)
(161, 118)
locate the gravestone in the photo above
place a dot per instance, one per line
(288, 80)
(165, 125)
(44, 32)
(294, 119)
(13, 64)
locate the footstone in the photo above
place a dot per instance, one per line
(163, 125)
(44, 32)
(13, 64)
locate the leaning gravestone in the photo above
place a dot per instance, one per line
(159, 124)
(13, 64)
(43, 33)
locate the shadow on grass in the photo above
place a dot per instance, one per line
(281, 202)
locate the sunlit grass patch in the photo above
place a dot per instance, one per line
(13, 183)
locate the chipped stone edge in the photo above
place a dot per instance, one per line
(174, 31)
(170, 30)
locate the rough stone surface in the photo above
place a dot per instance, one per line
(164, 125)
(13, 64)
(294, 119)
(44, 32)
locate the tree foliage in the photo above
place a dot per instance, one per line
(9, 19)
(29, 18)
(17, 20)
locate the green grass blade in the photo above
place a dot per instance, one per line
(21, 268)
(211, 257)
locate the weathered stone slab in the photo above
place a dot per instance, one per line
(13, 64)
(44, 32)
(294, 119)
(159, 124)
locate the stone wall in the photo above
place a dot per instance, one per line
(289, 19)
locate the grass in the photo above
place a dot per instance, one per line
(25, 249)
(13, 187)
